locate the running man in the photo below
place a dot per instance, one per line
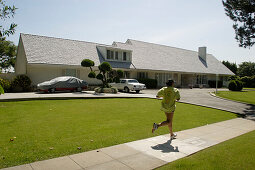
(170, 95)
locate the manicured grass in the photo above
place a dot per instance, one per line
(51, 128)
(246, 88)
(243, 96)
(234, 154)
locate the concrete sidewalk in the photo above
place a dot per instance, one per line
(148, 153)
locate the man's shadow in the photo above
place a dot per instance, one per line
(166, 147)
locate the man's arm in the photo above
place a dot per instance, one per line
(178, 97)
(160, 93)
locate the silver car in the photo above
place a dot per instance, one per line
(64, 83)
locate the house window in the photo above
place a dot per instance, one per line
(124, 56)
(142, 75)
(201, 79)
(116, 55)
(126, 74)
(108, 54)
(112, 55)
(70, 72)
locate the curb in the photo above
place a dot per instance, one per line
(68, 98)
(212, 94)
(240, 114)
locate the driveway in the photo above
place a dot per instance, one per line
(202, 97)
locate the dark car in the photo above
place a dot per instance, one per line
(63, 83)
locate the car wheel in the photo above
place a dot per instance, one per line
(126, 89)
(78, 89)
(137, 91)
(52, 90)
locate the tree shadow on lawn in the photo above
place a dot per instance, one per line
(166, 147)
(250, 112)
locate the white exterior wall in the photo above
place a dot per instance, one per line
(151, 75)
(21, 61)
(133, 74)
(84, 76)
(40, 73)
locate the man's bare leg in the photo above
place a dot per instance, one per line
(168, 122)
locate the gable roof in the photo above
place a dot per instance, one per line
(147, 56)
(160, 57)
(50, 50)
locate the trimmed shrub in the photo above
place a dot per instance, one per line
(92, 74)
(87, 63)
(120, 73)
(100, 76)
(105, 67)
(248, 81)
(6, 85)
(233, 78)
(212, 83)
(21, 81)
(239, 85)
(232, 85)
(235, 85)
(150, 83)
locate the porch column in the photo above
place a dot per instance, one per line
(179, 79)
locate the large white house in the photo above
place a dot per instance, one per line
(43, 58)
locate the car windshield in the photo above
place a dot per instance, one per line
(133, 81)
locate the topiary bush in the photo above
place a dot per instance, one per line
(232, 85)
(235, 85)
(233, 78)
(92, 74)
(6, 85)
(149, 83)
(87, 63)
(239, 85)
(21, 81)
(100, 76)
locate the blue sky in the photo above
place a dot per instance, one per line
(183, 24)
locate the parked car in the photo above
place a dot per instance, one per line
(129, 84)
(63, 83)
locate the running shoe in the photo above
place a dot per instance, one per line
(173, 136)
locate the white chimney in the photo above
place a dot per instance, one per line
(202, 52)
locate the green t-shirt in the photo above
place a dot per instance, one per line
(170, 95)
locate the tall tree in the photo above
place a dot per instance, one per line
(6, 12)
(246, 69)
(7, 54)
(242, 12)
(230, 66)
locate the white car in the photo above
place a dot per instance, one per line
(128, 85)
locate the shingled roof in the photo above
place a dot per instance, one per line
(147, 56)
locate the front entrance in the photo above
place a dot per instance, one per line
(162, 78)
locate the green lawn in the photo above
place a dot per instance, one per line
(51, 128)
(243, 96)
(246, 88)
(234, 154)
